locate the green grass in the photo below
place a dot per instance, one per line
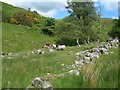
(108, 24)
(9, 10)
(16, 38)
(103, 73)
(26, 69)
(20, 71)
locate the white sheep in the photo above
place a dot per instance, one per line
(61, 47)
(54, 45)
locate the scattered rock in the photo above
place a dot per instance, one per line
(10, 58)
(74, 72)
(62, 75)
(39, 51)
(51, 50)
(111, 52)
(41, 83)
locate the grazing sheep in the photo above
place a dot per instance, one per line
(47, 46)
(54, 46)
(61, 47)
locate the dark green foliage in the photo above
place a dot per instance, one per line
(48, 29)
(66, 33)
(66, 41)
(78, 26)
(84, 14)
(50, 22)
(115, 32)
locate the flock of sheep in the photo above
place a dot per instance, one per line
(51, 48)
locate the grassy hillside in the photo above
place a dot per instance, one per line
(9, 10)
(108, 24)
(22, 66)
(16, 38)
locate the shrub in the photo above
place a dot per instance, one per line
(36, 20)
(13, 20)
(66, 41)
(47, 31)
(24, 18)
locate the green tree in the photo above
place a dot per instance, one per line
(115, 32)
(83, 14)
(68, 33)
(48, 29)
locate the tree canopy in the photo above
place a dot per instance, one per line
(79, 24)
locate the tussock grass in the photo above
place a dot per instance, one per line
(102, 73)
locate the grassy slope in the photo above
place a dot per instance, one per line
(108, 26)
(18, 38)
(9, 10)
(25, 66)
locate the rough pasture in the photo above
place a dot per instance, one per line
(26, 66)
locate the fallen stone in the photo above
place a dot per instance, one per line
(41, 83)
